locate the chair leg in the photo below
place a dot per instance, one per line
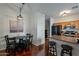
(62, 53)
(56, 50)
(70, 53)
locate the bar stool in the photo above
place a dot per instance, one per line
(66, 49)
(52, 48)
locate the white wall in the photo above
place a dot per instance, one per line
(7, 13)
(37, 28)
(41, 28)
(33, 26)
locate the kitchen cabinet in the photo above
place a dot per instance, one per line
(71, 23)
(56, 30)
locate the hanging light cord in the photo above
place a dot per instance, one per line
(21, 8)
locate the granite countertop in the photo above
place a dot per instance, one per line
(65, 38)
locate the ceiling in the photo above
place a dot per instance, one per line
(49, 9)
(53, 9)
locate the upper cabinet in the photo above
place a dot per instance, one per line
(77, 24)
(71, 23)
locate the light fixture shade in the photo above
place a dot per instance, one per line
(19, 17)
(65, 12)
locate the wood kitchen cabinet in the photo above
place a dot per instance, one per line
(77, 24)
(72, 23)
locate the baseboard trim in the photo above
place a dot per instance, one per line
(2, 50)
(38, 45)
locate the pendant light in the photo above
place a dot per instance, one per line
(19, 17)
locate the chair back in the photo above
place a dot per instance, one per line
(10, 42)
(29, 37)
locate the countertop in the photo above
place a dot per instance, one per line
(72, 40)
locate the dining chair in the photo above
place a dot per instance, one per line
(29, 39)
(10, 45)
(20, 46)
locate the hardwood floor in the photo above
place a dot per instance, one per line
(41, 50)
(3, 53)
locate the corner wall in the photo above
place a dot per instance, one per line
(7, 13)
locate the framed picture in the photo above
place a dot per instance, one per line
(16, 26)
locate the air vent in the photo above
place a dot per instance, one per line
(74, 7)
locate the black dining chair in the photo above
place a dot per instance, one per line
(21, 44)
(10, 45)
(29, 39)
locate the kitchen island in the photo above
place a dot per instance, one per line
(68, 39)
(72, 41)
